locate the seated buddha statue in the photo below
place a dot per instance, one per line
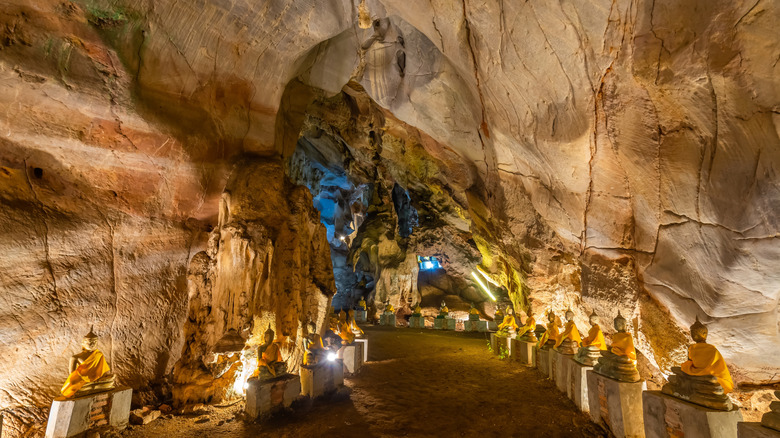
(509, 325)
(389, 309)
(332, 339)
(704, 378)
(345, 331)
(591, 347)
(89, 371)
(499, 315)
(417, 310)
(526, 332)
(444, 312)
(353, 324)
(269, 358)
(550, 337)
(473, 313)
(569, 341)
(361, 304)
(314, 349)
(619, 361)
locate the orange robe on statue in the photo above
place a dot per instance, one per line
(705, 360)
(551, 333)
(595, 338)
(570, 332)
(93, 368)
(623, 345)
(530, 324)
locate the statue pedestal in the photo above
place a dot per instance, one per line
(264, 398)
(387, 319)
(444, 324)
(559, 369)
(616, 405)
(416, 322)
(102, 410)
(322, 378)
(365, 348)
(492, 325)
(755, 430)
(524, 352)
(499, 343)
(543, 360)
(475, 326)
(667, 416)
(352, 356)
(577, 385)
(361, 316)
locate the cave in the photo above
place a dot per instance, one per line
(178, 179)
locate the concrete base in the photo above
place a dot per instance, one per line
(76, 416)
(500, 343)
(387, 319)
(270, 396)
(755, 430)
(365, 348)
(524, 352)
(475, 326)
(543, 361)
(417, 322)
(322, 378)
(577, 385)
(444, 323)
(667, 416)
(559, 370)
(361, 316)
(616, 405)
(492, 326)
(352, 356)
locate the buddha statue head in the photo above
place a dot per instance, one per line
(351, 313)
(89, 343)
(311, 327)
(509, 310)
(620, 323)
(443, 304)
(268, 337)
(699, 331)
(342, 316)
(593, 318)
(551, 317)
(569, 314)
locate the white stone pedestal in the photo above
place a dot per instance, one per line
(322, 378)
(475, 326)
(667, 416)
(417, 322)
(616, 405)
(492, 326)
(450, 324)
(755, 430)
(498, 343)
(387, 319)
(352, 356)
(577, 386)
(524, 352)
(444, 324)
(365, 348)
(267, 397)
(559, 369)
(361, 316)
(543, 360)
(75, 416)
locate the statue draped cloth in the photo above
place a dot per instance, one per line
(551, 333)
(570, 332)
(530, 324)
(93, 368)
(509, 322)
(595, 338)
(623, 345)
(706, 360)
(345, 333)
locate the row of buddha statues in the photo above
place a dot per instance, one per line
(703, 379)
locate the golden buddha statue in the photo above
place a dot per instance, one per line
(362, 304)
(473, 313)
(314, 349)
(526, 332)
(443, 310)
(550, 337)
(619, 361)
(704, 378)
(269, 358)
(499, 315)
(417, 310)
(569, 341)
(509, 325)
(389, 307)
(345, 331)
(89, 371)
(591, 347)
(353, 324)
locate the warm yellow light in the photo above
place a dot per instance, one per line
(487, 277)
(479, 282)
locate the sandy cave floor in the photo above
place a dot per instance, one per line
(417, 383)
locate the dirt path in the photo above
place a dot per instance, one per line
(418, 383)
